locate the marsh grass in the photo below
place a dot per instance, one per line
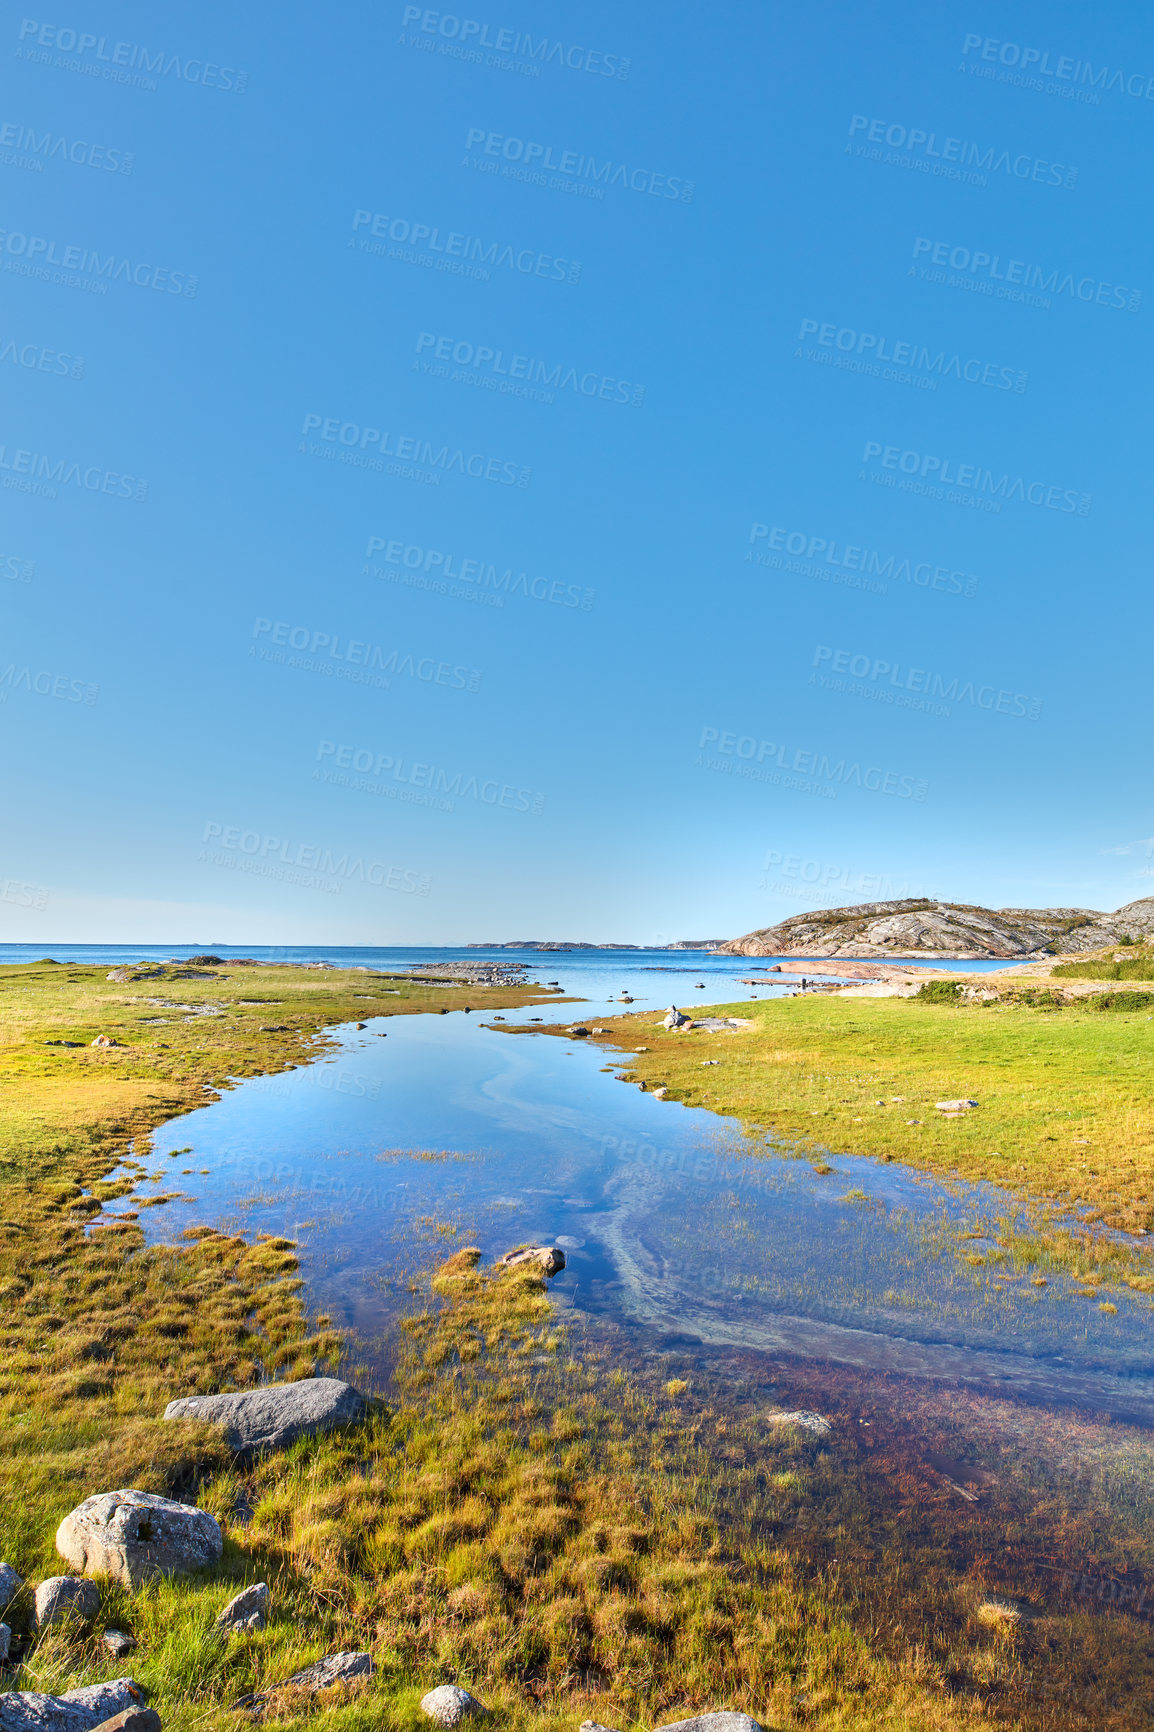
(1066, 1111)
(544, 1514)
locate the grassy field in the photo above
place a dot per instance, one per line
(1066, 1098)
(570, 1527)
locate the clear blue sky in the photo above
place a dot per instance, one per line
(812, 290)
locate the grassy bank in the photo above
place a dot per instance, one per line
(1066, 1100)
(96, 1331)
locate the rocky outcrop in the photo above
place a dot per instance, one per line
(75, 1711)
(947, 929)
(344, 1668)
(133, 1536)
(256, 1420)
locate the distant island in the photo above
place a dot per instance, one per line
(953, 931)
(576, 944)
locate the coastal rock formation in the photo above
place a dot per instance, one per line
(918, 927)
(66, 1597)
(133, 1536)
(256, 1420)
(76, 1711)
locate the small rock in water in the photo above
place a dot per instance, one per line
(448, 1705)
(568, 1242)
(66, 1597)
(660, 1094)
(549, 1258)
(807, 1421)
(119, 1643)
(133, 1536)
(248, 1610)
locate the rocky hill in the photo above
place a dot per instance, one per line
(950, 930)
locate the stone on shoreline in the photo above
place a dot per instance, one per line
(61, 1598)
(133, 1536)
(76, 1711)
(449, 1704)
(255, 1420)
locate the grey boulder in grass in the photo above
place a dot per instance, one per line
(133, 1536)
(449, 1704)
(725, 1721)
(256, 1420)
(248, 1610)
(76, 1711)
(63, 1598)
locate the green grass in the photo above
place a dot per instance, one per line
(548, 1517)
(1066, 1102)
